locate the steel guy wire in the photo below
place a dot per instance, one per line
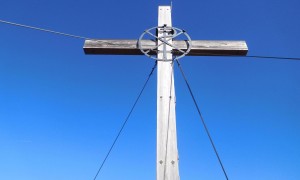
(248, 56)
(41, 29)
(125, 122)
(204, 54)
(202, 119)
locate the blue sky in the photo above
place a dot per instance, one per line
(60, 109)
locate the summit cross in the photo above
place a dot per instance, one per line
(165, 47)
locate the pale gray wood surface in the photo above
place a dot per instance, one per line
(199, 47)
(167, 153)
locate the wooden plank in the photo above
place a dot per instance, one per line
(199, 47)
(166, 152)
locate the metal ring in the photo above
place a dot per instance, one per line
(176, 32)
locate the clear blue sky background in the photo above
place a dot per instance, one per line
(60, 109)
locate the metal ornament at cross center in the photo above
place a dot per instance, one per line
(169, 33)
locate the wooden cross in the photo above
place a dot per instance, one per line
(167, 153)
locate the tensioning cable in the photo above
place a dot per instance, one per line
(202, 119)
(125, 122)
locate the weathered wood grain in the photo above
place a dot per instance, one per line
(199, 47)
(167, 167)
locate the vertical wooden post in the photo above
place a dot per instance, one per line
(167, 153)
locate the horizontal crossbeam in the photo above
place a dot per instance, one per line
(199, 47)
